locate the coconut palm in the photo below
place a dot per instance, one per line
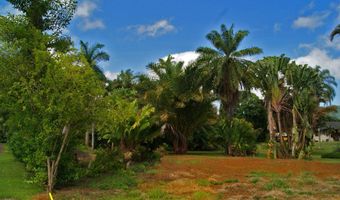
(227, 64)
(335, 32)
(94, 55)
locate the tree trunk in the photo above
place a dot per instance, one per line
(295, 136)
(52, 165)
(87, 138)
(272, 146)
(180, 145)
(92, 142)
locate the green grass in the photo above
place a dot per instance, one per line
(120, 180)
(318, 150)
(12, 179)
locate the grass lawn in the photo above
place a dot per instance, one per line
(12, 178)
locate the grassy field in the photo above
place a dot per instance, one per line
(12, 179)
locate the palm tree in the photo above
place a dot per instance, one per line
(268, 77)
(93, 56)
(227, 64)
(335, 32)
(181, 98)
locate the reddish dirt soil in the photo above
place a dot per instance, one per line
(180, 175)
(239, 167)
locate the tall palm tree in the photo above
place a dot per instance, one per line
(268, 77)
(227, 64)
(94, 55)
(335, 32)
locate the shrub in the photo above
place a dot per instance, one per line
(237, 136)
(335, 154)
(106, 161)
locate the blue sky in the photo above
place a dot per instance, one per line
(137, 32)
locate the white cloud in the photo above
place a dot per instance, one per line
(88, 24)
(321, 58)
(9, 9)
(111, 75)
(84, 12)
(310, 22)
(277, 27)
(186, 57)
(158, 28)
(85, 9)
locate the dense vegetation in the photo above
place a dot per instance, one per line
(54, 97)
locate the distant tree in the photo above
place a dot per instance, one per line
(251, 108)
(94, 55)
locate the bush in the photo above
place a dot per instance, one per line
(238, 137)
(335, 154)
(106, 161)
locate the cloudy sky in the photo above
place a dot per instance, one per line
(138, 32)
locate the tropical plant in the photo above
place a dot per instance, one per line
(94, 55)
(237, 138)
(182, 99)
(269, 79)
(227, 64)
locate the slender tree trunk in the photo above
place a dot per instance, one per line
(87, 138)
(52, 165)
(272, 146)
(295, 135)
(92, 142)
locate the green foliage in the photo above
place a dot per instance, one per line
(252, 109)
(45, 15)
(125, 123)
(226, 66)
(182, 99)
(106, 161)
(335, 154)
(238, 137)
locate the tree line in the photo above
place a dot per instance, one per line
(55, 99)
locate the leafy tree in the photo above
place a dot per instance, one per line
(251, 108)
(53, 15)
(45, 95)
(227, 64)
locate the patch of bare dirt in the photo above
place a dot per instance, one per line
(239, 167)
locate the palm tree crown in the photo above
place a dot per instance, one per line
(94, 55)
(227, 63)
